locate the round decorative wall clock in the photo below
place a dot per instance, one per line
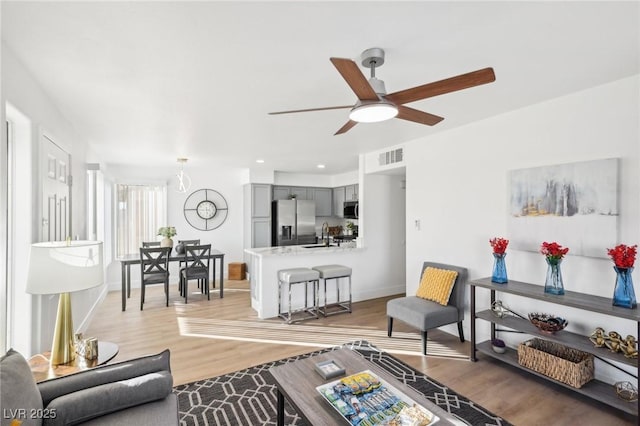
(205, 209)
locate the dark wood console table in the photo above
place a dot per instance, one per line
(595, 389)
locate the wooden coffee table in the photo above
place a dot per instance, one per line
(42, 369)
(297, 382)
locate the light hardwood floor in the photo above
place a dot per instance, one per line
(210, 338)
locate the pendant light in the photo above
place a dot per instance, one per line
(183, 179)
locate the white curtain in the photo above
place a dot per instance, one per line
(141, 210)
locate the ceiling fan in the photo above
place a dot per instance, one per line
(374, 104)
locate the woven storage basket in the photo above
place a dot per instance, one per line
(566, 365)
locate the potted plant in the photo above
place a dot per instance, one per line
(350, 227)
(167, 232)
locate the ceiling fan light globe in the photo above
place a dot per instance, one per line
(373, 113)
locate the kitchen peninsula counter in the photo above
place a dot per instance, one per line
(301, 250)
(264, 264)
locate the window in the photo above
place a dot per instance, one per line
(141, 210)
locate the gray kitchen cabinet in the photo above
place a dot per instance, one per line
(260, 201)
(281, 192)
(257, 215)
(302, 192)
(322, 197)
(260, 233)
(351, 192)
(310, 193)
(287, 192)
(324, 201)
(338, 201)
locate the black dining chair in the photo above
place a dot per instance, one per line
(196, 261)
(147, 244)
(180, 251)
(154, 269)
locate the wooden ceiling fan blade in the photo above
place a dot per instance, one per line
(453, 84)
(410, 114)
(348, 126)
(311, 109)
(349, 70)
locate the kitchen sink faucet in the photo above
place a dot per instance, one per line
(325, 225)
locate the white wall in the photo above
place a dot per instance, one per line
(302, 179)
(457, 188)
(372, 162)
(381, 226)
(21, 232)
(4, 237)
(344, 179)
(397, 227)
(319, 180)
(388, 186)
(21, 91)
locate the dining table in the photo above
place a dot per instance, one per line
(134, 259)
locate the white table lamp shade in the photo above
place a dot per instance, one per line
(61, 267)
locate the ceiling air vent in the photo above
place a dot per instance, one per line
(390, 157)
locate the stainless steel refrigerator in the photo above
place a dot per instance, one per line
(293, 222)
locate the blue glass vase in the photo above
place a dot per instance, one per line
(623, 293)
(553, 283)
(499, 269)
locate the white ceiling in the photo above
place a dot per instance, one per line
(147, 82)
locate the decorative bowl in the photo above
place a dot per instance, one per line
(626, 391)
(547, 323)
(498, 346)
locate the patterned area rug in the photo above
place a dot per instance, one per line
(248, 397)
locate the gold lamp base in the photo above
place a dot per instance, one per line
(62, 349)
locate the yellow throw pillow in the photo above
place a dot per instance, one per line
(436, 285)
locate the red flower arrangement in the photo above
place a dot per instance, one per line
(499, 245)
(553, 251)
(623, 256)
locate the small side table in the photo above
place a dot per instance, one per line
(42, 369)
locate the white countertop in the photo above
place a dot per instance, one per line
(301, 250)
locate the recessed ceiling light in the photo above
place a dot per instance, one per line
(260, 161)
(320, 166)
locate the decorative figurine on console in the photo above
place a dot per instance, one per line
(628, 348)
(598, 338)
(614, 342)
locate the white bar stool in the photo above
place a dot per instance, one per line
(334, 272)
(290, 277)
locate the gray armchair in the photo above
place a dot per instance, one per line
(425, 314)
(135, 392)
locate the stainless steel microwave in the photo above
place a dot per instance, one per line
(350, 210)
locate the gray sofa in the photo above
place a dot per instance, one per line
(135, 392)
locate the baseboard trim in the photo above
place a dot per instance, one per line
(376, 293)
